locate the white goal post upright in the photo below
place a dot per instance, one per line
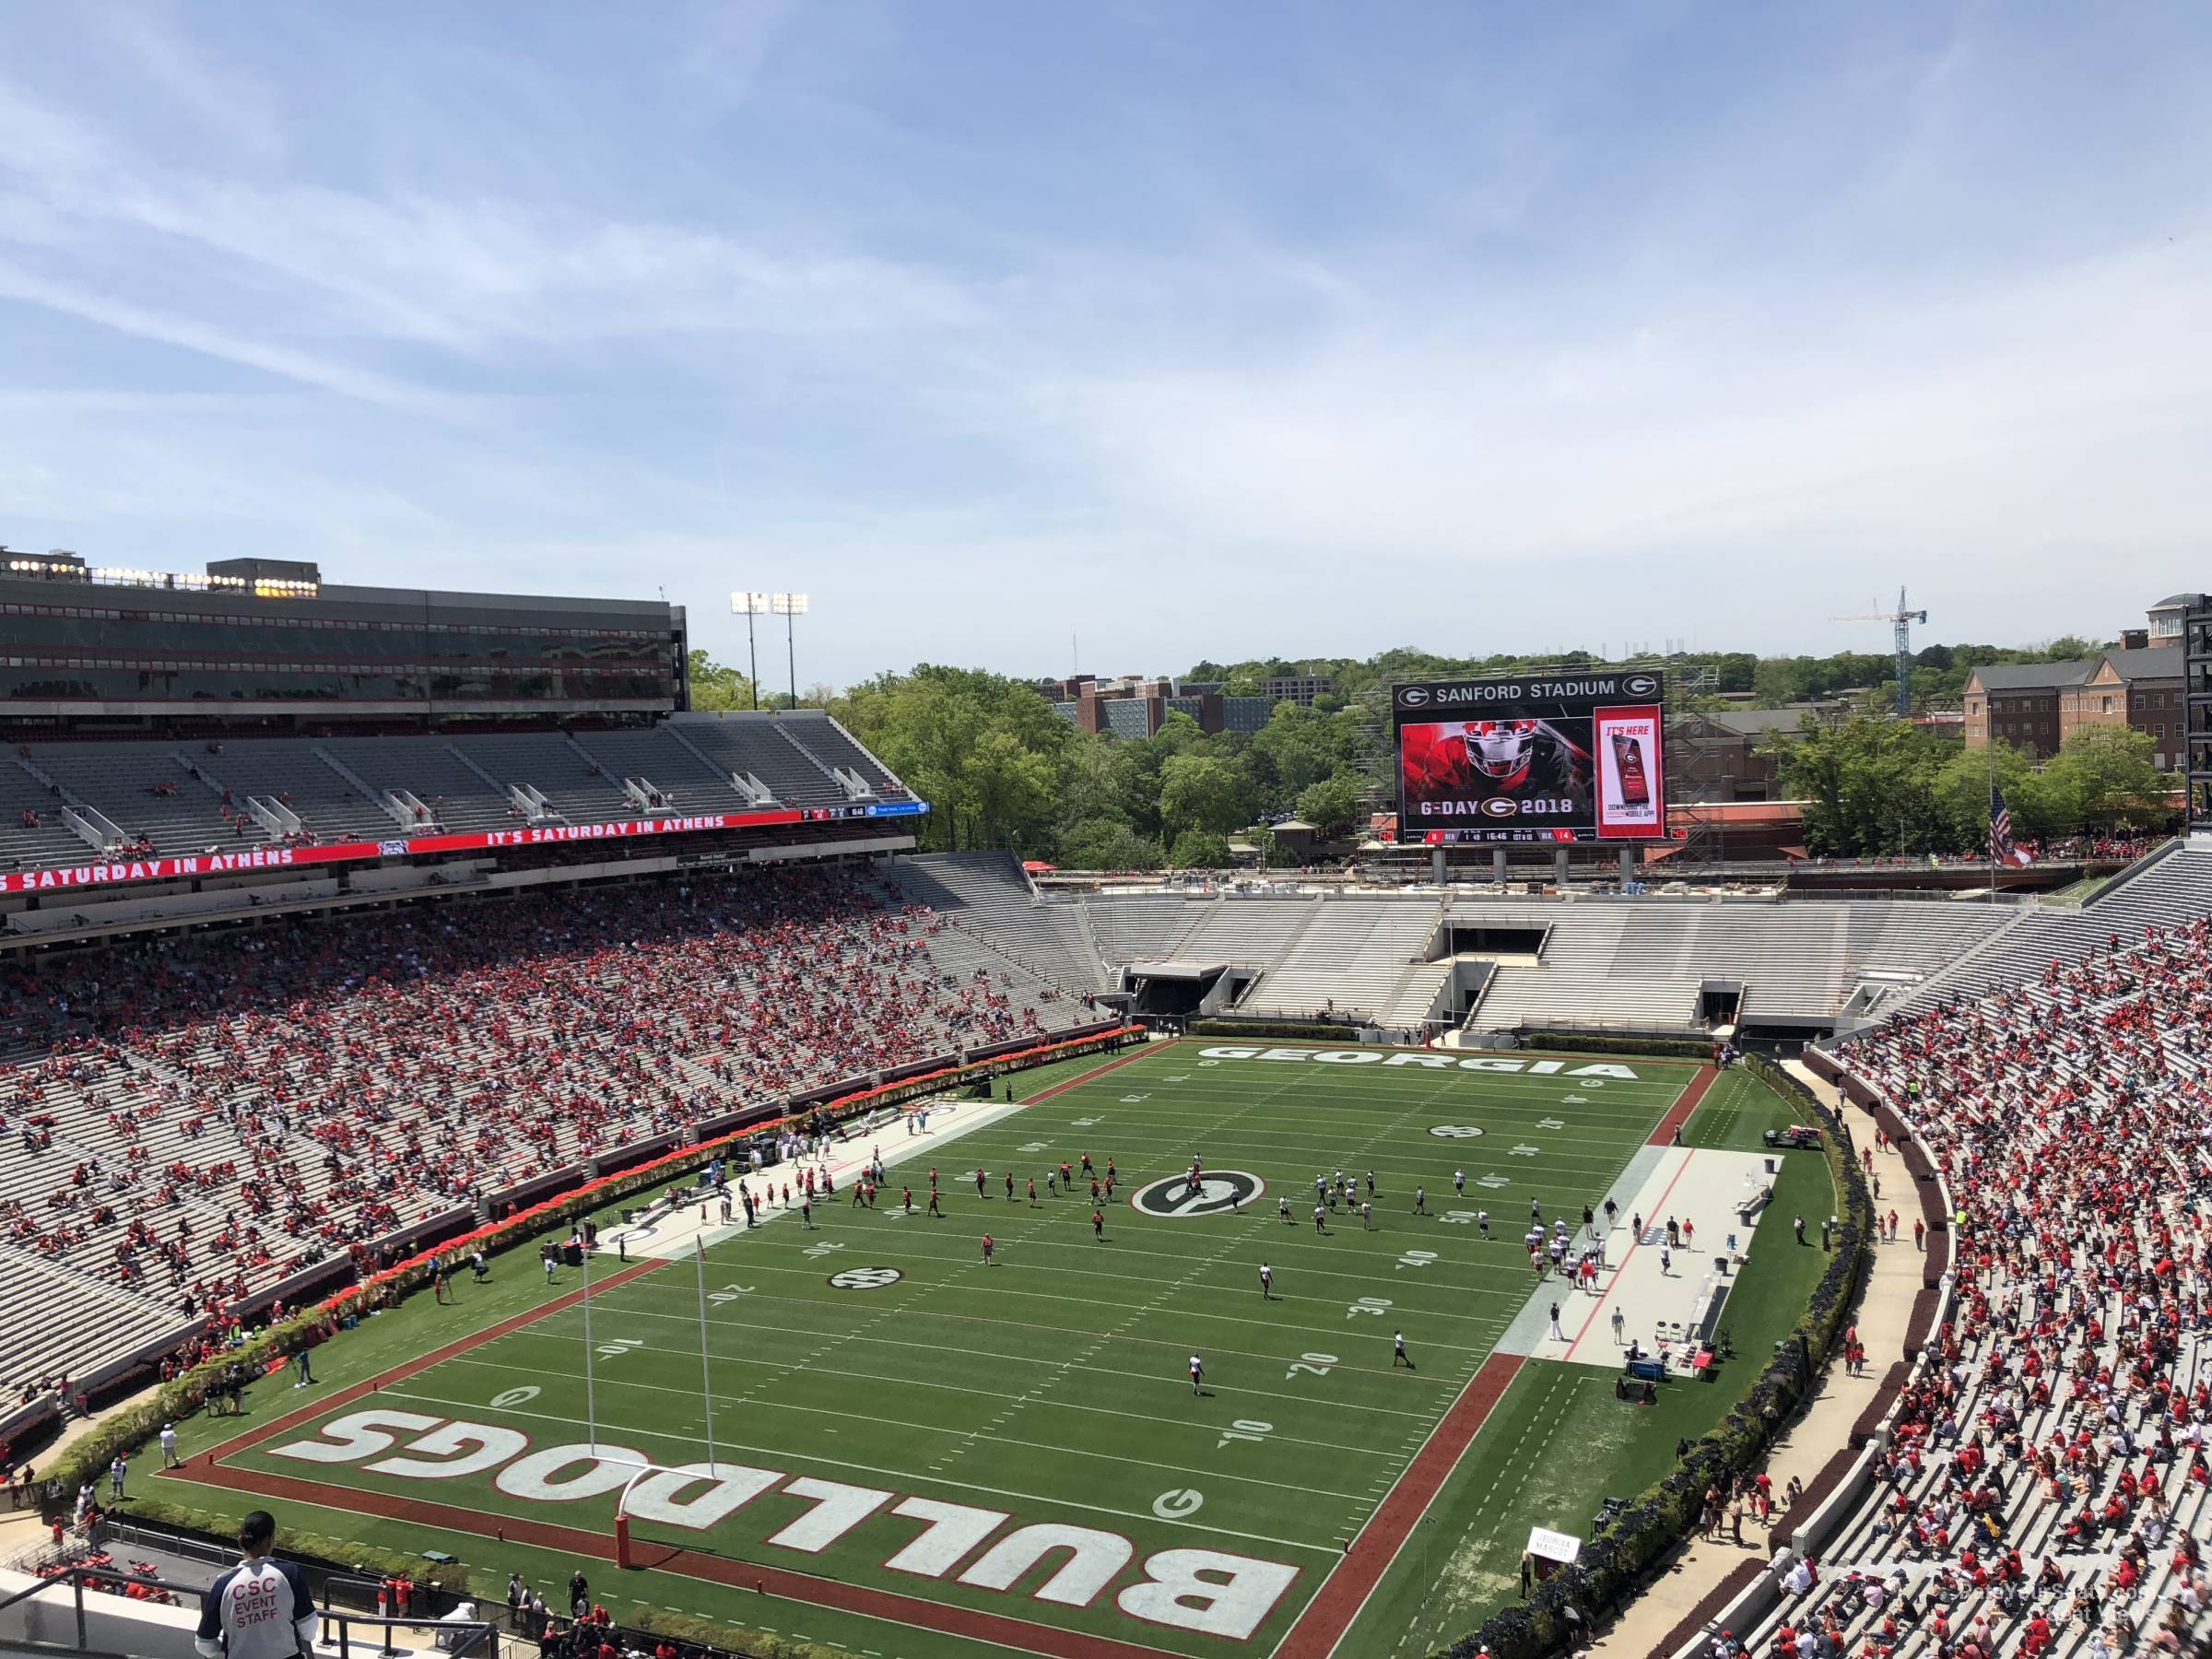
(706, 1378)
(591, 1411)
(716, 1490)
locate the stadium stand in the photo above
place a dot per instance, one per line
(1353, 953)
(1143, 927)
(456, 795)
(1248, 932)
(1610, 962)
(765, 749)
(833, 746)
(32, 831)
(291, 776)
(988, 894)
(203, 1116)
(2175, 880)
(574, 785)
(181, 796)
(688, 780)
(146, 790)
(2043, 1487)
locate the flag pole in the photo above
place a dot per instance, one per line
(591, 1411)
(706, 1381)
(1990, 745)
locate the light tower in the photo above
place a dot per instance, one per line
(749, 605)
(788, 605)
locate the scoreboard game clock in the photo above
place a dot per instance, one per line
(1557, 757)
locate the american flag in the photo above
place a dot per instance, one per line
(2000, 825)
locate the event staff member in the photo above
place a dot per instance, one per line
(260, 1609)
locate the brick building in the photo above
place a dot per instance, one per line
(1300, 688)
(2020, 704)
(1133, 706)
(1725, 755)
(2138, 686)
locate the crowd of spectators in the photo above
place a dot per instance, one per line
(2045, 1485)
(196, 1118)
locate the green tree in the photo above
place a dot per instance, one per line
(1098, 776)
(1197, 792)
(1108, 844)
(715, 687)
(1010, 786)
(2108, 774)
(1962, 796)
(1333, 805)
(1868, 786)
(984, 750)
(1200, 849)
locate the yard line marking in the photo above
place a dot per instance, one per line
(1145, 1376)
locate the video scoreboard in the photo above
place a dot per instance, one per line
(1555, 757)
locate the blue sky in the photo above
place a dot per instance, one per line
(1194, 330)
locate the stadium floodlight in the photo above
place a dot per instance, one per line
(788, 605)
(749, 605)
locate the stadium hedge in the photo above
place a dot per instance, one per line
(86, 1460)
(1583, 1042)
(1615, 1562)
(1254, 1027)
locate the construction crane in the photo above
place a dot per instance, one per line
(1900, 621)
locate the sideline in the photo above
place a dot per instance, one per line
(1885, 1308)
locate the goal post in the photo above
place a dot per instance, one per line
(690, 1497)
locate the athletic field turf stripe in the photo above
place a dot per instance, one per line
(1685, 1103)
(1333, 1609)
(324, 1404)
(1142, 1052)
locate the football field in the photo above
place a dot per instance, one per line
(893, 1447)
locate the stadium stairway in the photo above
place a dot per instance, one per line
(991, 895)
(1144, 927)
(48, 841)
(1352, 957)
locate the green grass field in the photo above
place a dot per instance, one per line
(929, 1438)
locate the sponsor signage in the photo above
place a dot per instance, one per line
(1554, 757)
(107, 872)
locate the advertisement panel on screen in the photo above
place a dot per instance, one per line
(1567, 756)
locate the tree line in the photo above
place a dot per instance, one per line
(1877, 788)
(1000, 767)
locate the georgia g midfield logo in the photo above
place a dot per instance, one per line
(865, 1278)
(1220, 1192)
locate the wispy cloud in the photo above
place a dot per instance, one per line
(1225, 333)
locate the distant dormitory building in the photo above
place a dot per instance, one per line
(2020, 704)
(1300, 688)
(1728, 754)
(1135, 707)
(2139, 688)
